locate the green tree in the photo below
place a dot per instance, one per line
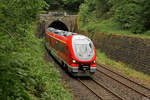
(72, 5)
(132, 15)
(55, 4)
(86, 10)
(68, 5)
(16, 20)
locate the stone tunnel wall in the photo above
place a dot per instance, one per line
(68, 20)
(128, 49)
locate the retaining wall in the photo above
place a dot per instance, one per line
(128, 49)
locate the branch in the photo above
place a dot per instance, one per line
(7, 32)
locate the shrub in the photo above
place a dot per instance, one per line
(132, 15)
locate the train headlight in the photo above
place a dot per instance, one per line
(74, 61)
(94, 61)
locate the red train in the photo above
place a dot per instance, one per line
(75, 52)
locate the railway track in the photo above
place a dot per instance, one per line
(101, 90)
(105, 94)
(138, 88)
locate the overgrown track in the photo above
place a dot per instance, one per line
(140, 89)
(100, 90)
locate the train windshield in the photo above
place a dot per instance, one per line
(83, 48)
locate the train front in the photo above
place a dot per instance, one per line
(83, 56)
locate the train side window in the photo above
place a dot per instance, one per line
(67, 51)
(57, 45)
(54, 44)
(49, 40)
(62, 48)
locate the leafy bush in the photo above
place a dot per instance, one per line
(86, 11)
(68, 5)
(24, 73)
(132, 15)
(129, 15)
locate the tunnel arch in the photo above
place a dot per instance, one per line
(59, 25)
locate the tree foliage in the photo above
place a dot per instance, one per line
(23, 72)
(72, 5)
(86, 10)
(16, 16)
(54, 4)
(132, 15)
(69, 5)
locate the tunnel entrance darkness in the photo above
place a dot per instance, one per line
(59, 25)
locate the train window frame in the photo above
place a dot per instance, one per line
(77, 44)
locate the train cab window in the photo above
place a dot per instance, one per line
(83, 48)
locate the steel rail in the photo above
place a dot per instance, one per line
(102, 66)
(90, 89)
(118, 96)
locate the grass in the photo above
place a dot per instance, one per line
(50, 79)
(43, 12)
(123, 68)
(110, 26)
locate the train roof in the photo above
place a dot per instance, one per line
(60, 32)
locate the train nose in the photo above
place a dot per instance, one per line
(83, 48)
(82, 70)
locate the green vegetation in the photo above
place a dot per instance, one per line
(115, 16)
(123, 68)
(68, 5)
(109, 26)
(24, 75)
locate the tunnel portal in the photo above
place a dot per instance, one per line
(59, 25)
